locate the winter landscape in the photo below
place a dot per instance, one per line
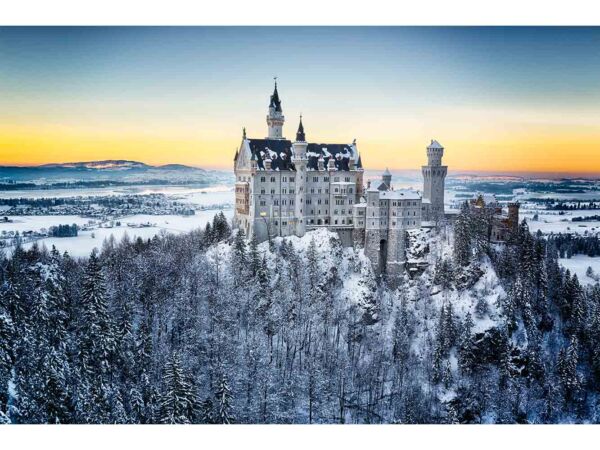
(298, 282)
(300, 330)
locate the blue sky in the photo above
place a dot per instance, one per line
(395, 86)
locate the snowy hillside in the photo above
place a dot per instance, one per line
(208, 327)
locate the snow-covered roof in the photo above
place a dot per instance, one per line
(435, 144)
(401, 194)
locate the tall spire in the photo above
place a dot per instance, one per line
(275, 102)
(275, 118)
(300, 136)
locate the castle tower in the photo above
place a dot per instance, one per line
(387, 178)
(513, 215)
(275, 118)
(434, 175)
(300, 161)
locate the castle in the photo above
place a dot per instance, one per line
(502, 224)
(286, 188)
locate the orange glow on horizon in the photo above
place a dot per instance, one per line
(569, 149)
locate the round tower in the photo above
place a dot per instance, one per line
(275, 118)
(300, 161)
(434, 175)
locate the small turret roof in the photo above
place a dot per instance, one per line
(275, 102)
(300, 136)
(435, 144)
(387, 173)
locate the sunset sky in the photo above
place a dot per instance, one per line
(499, 99)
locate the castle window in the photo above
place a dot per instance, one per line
(327, 201)
(272, 191)
(276, 202)
(262, 203)
(326, 179)
(284, 223)
(335, 222)
(262, 179)
(336, 189)
(347, 179)
(343, 222)
(284, 191)
(326, 221)
(291, 179)
(284, 179)
(262, 191)
(350, 201)
(283, 202)
(349, 221)
(291, 202)
(336, 179)
(335, 211)
(319, 190)
(316, 179)
(276, 223)
(350, 190)
(291, 191)
(394, 223)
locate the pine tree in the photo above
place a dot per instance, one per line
(96, 342)
(566, 367)
(462, 237)
(254, 256)
(223, 409)
(177, 403)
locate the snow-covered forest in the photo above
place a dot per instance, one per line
(208, 327)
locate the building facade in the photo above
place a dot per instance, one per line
(286, 188)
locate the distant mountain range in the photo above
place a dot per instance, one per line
(109, 171)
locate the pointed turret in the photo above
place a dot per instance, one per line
(275, 102)
(275, 118)
(300, 136)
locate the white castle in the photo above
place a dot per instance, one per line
(286, 188)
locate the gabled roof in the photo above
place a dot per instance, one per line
(279, 151)
(341, 154)
(383, 187)
(401, 194)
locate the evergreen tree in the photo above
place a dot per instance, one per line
(462, 237)
(177, 403)
(223, 409)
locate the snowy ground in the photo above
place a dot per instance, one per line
(578, 264)
(559, 221)
(86, 241)
(197, 196)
